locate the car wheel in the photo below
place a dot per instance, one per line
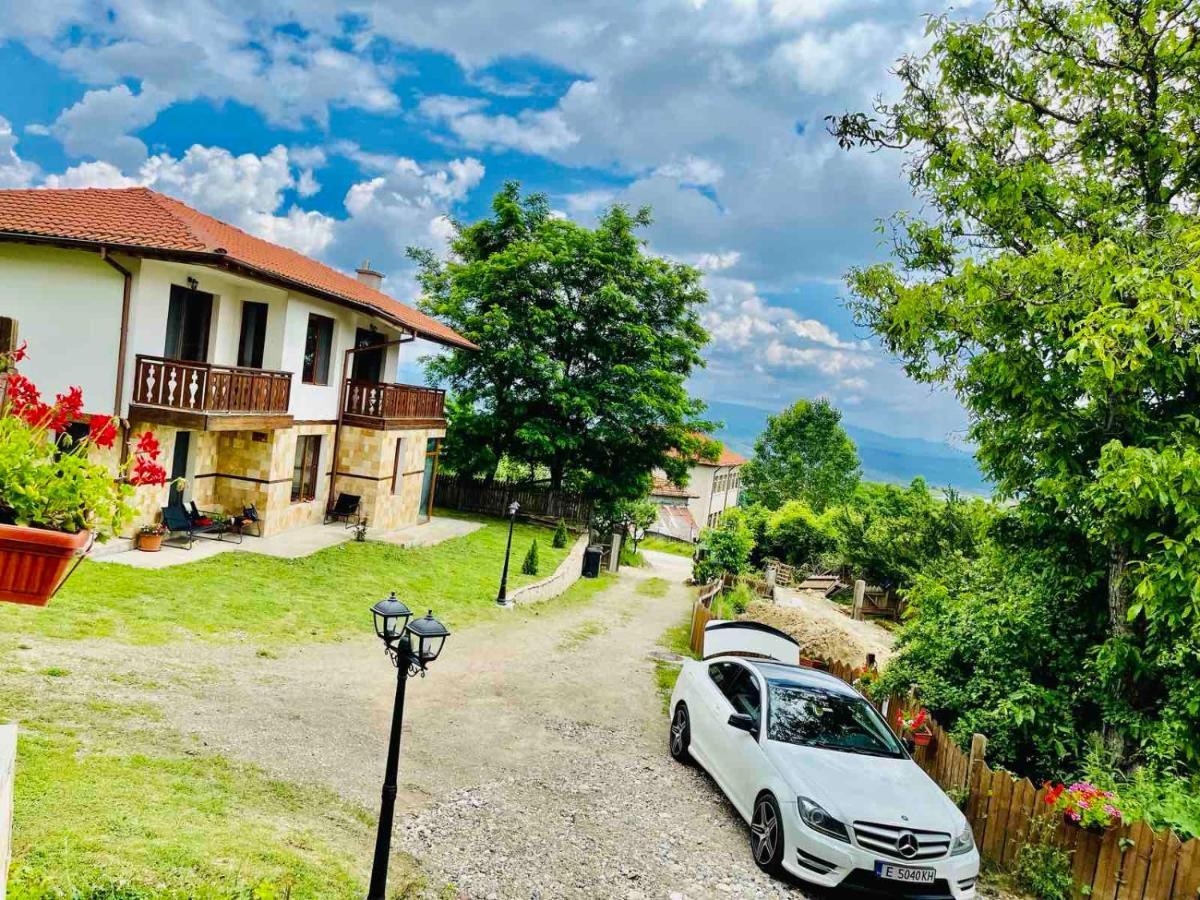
(681, 735)
(766, 835)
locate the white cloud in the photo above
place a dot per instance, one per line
(853, 384)
(307, 185)
(91, 174)
(99, 125)
(14, 171)
(692, 170)
(831, 362)
(531, 131)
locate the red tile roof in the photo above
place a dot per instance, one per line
(139, 219)
(664, 487)
(727, 457)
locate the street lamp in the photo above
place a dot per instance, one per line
(411, 644)
(502, 597)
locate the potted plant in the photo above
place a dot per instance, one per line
(1086, 805)
(54, 500)
(915, 727)
(150, 537)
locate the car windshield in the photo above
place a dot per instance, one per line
(832, 720)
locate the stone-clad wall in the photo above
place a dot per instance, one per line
(367, 466)
(234, 469)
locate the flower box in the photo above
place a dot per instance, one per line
(922, 737)
(34, 562)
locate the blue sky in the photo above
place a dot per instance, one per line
(352, 130)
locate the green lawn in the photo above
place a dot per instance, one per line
(676, 639)
(111, 804)
(326, 596)
(666, 545)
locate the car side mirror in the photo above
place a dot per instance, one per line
(744, 722)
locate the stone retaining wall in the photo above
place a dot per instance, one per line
(567, 573)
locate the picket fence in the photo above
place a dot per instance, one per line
(1129, 862)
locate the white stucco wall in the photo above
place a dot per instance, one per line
(68, 307)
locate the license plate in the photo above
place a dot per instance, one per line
(909, 874)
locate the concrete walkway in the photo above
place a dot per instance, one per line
(291, 544)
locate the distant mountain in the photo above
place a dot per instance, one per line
(884, 456)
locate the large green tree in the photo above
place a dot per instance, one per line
(1054, 285)
(803, 454)
(585, 344)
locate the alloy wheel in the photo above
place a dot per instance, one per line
(764, 832)
(679, 733)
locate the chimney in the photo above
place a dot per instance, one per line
(369, 276)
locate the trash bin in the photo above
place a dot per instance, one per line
(591, 561)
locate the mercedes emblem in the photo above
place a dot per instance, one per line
(907, 844)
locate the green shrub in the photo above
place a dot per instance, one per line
(630, 557)
(797, 535)
(530, 566)
(1043, 869)
(1162, 798)
(561, 536)
(727, 548)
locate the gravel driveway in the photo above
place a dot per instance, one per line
(533, 764)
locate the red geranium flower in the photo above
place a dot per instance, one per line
(102, 431)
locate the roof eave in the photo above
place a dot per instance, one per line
(224, 261)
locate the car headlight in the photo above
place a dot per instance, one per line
(964, 843)
(815, 817)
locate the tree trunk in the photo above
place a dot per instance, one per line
(1118, 622)
(1118, 594)
(556, 474)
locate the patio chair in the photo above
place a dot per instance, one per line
(248, 519)
(179, 524)
(345, 510)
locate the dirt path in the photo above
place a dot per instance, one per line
(823, 628)
(534, 762)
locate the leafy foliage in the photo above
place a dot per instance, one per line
(1044, 868)
(804, 454)
(585, 344)
(797, 535)
(1053, 288)
(726, 548)
(993, 648)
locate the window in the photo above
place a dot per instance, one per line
(739, 686)
(254, 335)
(397, 475)
(830, 719)
(305, 471)
(318, 344)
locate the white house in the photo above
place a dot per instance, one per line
(236, 352)
(712, 487)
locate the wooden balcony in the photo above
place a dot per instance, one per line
(206, 397)
(372, 404)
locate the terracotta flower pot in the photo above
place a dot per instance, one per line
(150, 543)
(34, 562)
(922, 738)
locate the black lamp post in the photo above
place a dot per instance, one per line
(513, 509)
(411, 645)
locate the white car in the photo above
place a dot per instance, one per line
(831, 795)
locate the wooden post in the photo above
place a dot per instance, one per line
(8, 334)
(976, 757)
(614, 561)
(860, 593)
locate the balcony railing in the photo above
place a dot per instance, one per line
(199, 387)
(398, 402)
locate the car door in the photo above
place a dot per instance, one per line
(740, 752)
(707, 720)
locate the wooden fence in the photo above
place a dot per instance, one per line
(1130, 862)
(538, 501)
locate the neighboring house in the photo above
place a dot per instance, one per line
(233, 350)
(712, 488)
